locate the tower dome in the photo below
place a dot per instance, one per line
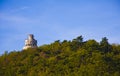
(30, 42)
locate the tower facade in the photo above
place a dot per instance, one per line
(30, 42)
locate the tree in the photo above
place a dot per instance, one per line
(78, 39)
(77, 43)
(91, 45)
(67, 58)
(104, 45)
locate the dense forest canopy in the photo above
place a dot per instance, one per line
(67, 58)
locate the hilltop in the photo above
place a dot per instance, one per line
(67, 58)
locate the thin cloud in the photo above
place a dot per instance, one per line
(13, 18)
(23, 8)
(16, 19)
(19, 9)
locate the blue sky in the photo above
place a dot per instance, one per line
(51, 20)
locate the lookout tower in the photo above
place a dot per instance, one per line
(30, 42)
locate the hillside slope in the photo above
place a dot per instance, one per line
(66, 58)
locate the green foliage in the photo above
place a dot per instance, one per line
(105, 46)
(67, 58)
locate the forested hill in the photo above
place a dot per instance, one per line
(64, 58)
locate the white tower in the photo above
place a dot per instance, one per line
(30, 42)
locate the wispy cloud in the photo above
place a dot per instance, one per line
(24, 7)
(16, 18)
(19, 9)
